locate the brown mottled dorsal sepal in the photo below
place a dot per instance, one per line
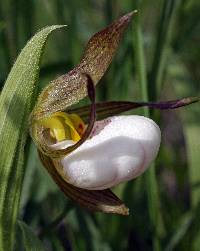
(68, 89)
(103, 200)
(102, 46)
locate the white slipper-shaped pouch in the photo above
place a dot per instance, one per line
(120, 149)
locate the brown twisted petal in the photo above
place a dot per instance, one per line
(110, 108)
(38, 131)
(68, 89)
(103, 200)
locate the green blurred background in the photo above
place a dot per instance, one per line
(158, 59)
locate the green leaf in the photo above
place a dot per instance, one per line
(193, 146)
(15, 106)
(31, 242)
(180, 231)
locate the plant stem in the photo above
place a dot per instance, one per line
(151, 184)
(160, 54)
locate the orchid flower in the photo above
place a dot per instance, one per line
(85, 156)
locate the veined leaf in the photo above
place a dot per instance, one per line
(31, 242)
(15, 106)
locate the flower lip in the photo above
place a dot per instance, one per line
(121, 151)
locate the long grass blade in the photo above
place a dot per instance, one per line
(150, 177)
(31, 242)
(15, 105)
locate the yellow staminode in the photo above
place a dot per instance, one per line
(64, 126)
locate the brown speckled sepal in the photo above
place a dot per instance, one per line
(100, 201)
(68, 89)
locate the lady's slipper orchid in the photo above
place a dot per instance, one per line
(84, 157)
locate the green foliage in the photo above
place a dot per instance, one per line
(31, 242)
(158, 59)
(15, 106)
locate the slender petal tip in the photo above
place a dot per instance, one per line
(127, 17)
